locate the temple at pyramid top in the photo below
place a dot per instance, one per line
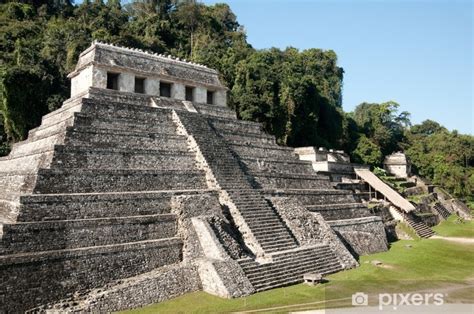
(133, 70)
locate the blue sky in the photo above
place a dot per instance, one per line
(417, 53)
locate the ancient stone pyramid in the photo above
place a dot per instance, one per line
(123, 198)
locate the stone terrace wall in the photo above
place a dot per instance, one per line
(362, 235)
(49, 276)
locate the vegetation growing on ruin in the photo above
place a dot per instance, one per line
(297, 95)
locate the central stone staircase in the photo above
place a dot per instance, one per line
(286, 261)
(288, 267)
(276, 171)
(264, 223)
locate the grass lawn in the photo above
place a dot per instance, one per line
(408, 266)
(453, 228)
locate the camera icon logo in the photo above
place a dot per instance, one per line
(360, 299)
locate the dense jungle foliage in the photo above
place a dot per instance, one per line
(297, 95)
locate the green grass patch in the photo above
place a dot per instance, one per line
(418, 199)
(398, 184)
(453, 227)
(425, 214)
(470, 204)
(407, 266)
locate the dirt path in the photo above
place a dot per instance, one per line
(455, 239)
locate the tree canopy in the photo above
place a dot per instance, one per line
(297, 95)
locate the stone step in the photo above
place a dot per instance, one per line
(266, 224)
(120, 158)
(237, 179)
(50, 129)
(322, 265)
(276, 239)
(271, 218)
(109, 298)
(238, 183)
(442, 211)
(310, 197)
(420, 227)
(231, 127)
(341, 211)
(215, 111)
(244, 192)
(256, 212)
(123, 110)
(80, 269)
(269, 229)
(278, 247)
(289, 267)
(251, 204)
(46, 207)
(221, 123)
(279, 232)
(228, 174)
(241, 137)
(257, 215)
(103, 95)
(310, 176)
(227, 186)
(289, 255)
(26, 163)
(90, 181)
(278, 166)
(65, 112)
(260, 274)
(276, 155)
(153, 122)
(36, 146)
(68, 234)
(251, 200)
(128, 140)
(296, 278)
(316, 250)
(336, 206)
(288, 181)
(260, 208)
(233, 186)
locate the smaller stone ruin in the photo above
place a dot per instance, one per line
(398, 165)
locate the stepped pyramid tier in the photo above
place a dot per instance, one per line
(133, 193)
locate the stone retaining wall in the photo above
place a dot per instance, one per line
(59, 274)
(363, 235)
(152, 287)
(57, 235)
